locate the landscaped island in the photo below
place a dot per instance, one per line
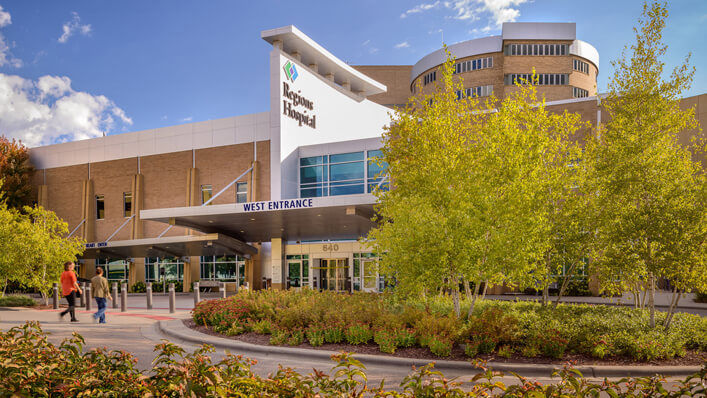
(508, 329)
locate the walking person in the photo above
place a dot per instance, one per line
(69, 289)
(101, 292)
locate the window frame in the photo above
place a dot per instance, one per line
(100, 198)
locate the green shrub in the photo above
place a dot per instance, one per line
(138, 287)
(525, 326)
(296, 337)
(262, 326)
(386, 341)
(471, 348)
(530, 351)
(440, 346)
(358, 334)
(279, 337)
(17, 301)
(553, 344)
(34, 367)
(334, 334)
(700, 297)
(505, 351)
(315, 336)
(405, 338)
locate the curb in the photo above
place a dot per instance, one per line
(176, 329)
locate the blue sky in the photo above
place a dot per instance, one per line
(74, 69)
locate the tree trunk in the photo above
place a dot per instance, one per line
(643, 300)
(45, 296)
(565, 282)
(546, 294)
(473, 300)
(467, 290)
(651, 301)
(486, 285)
(673, 304)
(455, 296)
(4, 288)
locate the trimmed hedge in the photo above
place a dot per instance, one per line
(34, 367)
(17, 301)
(526, 328)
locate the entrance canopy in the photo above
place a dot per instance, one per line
(173, 246)
(302, 219)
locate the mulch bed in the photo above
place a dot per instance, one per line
(693, 358)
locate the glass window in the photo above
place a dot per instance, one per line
(312, 161)
(241, 192)
(298, 270)
(223, 268)
(115, 269)
(313, 174)
(346, 171)
(346, 157)
(206, 193)
(127, 204)
(100, 207)
(164, 269)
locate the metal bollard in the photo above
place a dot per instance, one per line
(123, 297)
(172, 297)
(222, 287)
(115, 294)
(83, 296)
(197, 294)
(148, 295)
(87, 293)
(55, 296)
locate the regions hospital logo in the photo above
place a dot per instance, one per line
(290, 71)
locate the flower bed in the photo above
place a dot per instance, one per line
(34, 367)
(505, 328)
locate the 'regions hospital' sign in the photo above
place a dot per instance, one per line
(294, 104)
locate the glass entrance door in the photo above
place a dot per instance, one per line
(333, 272)
(370, 275)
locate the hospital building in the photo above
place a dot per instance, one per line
(280, 198)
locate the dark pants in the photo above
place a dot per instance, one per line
(101, 313)
(71, 298)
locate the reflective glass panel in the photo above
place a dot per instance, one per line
(346, 157)
(346, 171)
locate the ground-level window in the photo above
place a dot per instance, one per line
(298, 270)
(241, 192)
(100, 207)
(223, 268)
(114, 269)
(206, 193)
(163, 268)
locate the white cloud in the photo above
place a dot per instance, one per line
(419, 8)
(73, 26)
(48, 111)
(365, 43)
(6, 57)
(402, 45)
(187, 119)
(497, 11)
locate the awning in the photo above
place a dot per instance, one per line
(172, 246)
(329, 218)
